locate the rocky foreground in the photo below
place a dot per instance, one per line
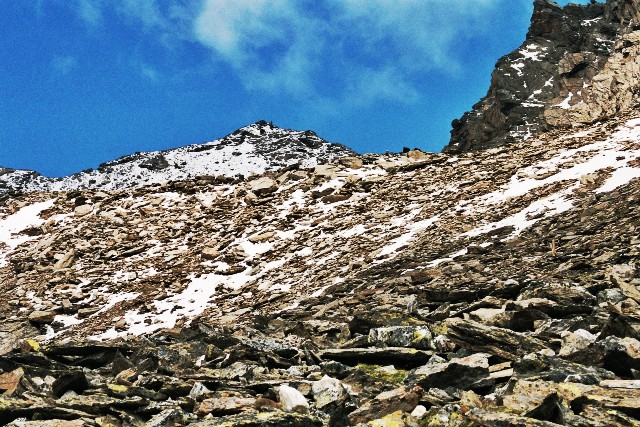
(491, 289)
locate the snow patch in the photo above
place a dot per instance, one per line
(565, 105)
(13, 225)
(192, 301)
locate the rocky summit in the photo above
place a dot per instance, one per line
(495, 287)
(578, 65)
(253, 149)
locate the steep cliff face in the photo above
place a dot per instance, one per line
(578, 64)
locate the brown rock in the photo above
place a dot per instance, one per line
(263, 186)
(83, 210)
(42, 316)
(10, 381)
(387, 403)
(226, 405)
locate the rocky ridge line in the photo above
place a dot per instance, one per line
(578, 65)
(250, 150)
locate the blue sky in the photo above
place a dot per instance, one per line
(86, 81)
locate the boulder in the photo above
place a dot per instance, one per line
(327, 390)
(225, 404)
(262, 419)
(402, 336)
(397, 356)
(83, 210)
(463, 373)
(292, 400)
(501, 342)
(40, 317)
(386, 403)
(10, 381)
(263, 186)
(75, 381)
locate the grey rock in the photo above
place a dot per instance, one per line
(402, 336)
(464, 373)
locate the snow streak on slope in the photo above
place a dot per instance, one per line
(570, 167)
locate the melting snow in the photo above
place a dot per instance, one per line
(532, 52)
(549, 206)
(518, 66)
(437, 262)
(414, 229)
(619, 178)
(355, 231)
(568, 166)
(590, 22)
(565, 105)
(194, 300)
(11, 226)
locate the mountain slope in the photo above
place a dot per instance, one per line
(250, 150)
(510, 272)
(498, 287)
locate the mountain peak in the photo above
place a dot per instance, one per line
(253, 149)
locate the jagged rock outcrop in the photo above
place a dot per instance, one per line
(578, 65)
(253, 149)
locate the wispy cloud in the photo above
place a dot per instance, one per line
(146, 12)
(359, 51)
(90, 11)
(371, 49)
(149, 72)
(63, 65)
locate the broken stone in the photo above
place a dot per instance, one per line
(387, 403)
(397, 356)
(326, 391)
(225, 404)
(65, 261)
(210, 254)
(72, 381)
(499, 341)
(10, 381)
(402, 336)
(83, 210)
(262, 419)
(263, 186)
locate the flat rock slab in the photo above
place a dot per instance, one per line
(505, 343)
(262, 419)
(498, 419)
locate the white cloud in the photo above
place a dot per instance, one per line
(372, 49)
(149, 72)
(90, 11)
(271, 43)
(146, 12)
(359, 51)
